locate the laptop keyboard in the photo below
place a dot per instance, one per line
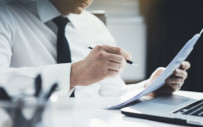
(195, 109)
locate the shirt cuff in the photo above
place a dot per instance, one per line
(59, 73)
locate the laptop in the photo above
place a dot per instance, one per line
(171, 109)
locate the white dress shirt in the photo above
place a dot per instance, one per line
(28, 47)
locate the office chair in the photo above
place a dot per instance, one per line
(101, 14)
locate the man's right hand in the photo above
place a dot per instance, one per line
(102, 62)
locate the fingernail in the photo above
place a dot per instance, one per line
(183, 66)
(176, 72)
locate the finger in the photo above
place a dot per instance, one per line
(174, 79)
(175, 86)
(185, 65)
(156, 73)
(115, 58)
(117, 50)
(114, 66)
(180, 73)
(112, 73)
(164, 90)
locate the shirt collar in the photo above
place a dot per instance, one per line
(47, 11)
(75, 19)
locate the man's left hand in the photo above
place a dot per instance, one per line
(173, 83)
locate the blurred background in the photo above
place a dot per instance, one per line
(153, 31)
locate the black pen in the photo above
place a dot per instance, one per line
(50, 92)
(127, 61)
(38, 85)
(4, 95)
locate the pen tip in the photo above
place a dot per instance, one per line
(128, 61)
(90, 47)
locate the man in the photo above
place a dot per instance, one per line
(29, 39)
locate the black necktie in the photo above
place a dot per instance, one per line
(63, 50)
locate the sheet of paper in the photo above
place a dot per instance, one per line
(160, 80)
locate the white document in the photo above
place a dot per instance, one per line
(160, 80)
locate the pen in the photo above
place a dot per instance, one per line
(52, 89)
(4, 95)
(38, 85)
(127, 61)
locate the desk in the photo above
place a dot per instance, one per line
(88, 112)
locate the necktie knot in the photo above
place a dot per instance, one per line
(61, 21)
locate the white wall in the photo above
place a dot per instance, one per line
(128, 28)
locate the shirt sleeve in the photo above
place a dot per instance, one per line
(18, 80)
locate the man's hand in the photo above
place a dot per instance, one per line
(102, 62)
(173, 83)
